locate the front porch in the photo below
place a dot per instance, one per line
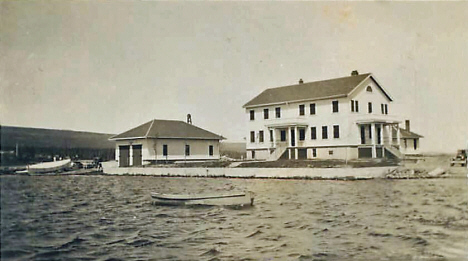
(378, 138)
(287, 137)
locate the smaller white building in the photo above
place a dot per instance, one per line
(165, 141)
(409, 141)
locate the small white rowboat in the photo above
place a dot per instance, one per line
(233, 200)
(47, 167)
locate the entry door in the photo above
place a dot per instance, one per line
(136, 155)
(363, 134)
(293, 138)
(124, 156)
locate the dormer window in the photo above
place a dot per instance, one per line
(369, 89)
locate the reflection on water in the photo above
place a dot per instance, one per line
(111, 218)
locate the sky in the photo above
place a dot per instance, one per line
(109, 66)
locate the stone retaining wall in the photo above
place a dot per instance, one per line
(280, 173)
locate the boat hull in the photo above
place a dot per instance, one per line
(49, 167)
(235, 200)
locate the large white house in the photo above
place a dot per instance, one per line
(344, 118)
(165, 140)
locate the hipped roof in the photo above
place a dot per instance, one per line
(406, 134)
(332, 88)
(168, 129)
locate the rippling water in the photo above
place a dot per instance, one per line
(111, 218)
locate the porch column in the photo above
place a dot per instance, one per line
(374, 151)
(398, 134)
(296, 137)
(131, 155)
(274, 137)
(390, 133)
(290, 142)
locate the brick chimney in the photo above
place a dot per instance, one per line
(354, 73)
(407, 125)
(301, 81)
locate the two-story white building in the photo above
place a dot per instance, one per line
(343, 118)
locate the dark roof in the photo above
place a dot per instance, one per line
(339, 87)
(167, 129)
(406, 134)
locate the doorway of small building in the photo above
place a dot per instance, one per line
(137, 155)
(124, 156)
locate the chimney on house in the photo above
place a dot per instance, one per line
(407, 125)
(354, 73)
(301, 81)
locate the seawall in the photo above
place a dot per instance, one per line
(111, 168)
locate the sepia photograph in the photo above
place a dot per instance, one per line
(233, 130)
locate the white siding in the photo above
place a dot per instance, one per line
(324, 116)
(152, 149)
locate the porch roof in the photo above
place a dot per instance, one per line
(380, 121)
(287, 124)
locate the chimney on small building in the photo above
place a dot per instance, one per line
(301, 81)
(407, 125)
(354, 73)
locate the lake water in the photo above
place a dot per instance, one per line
(111, 218)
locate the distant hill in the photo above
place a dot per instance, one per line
(49, 138)
(234, 150)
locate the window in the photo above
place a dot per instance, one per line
(301, 134)
(210, 150)
(354, 106)
(187, 150)
(382, 108)
(336, 131)
(283, 135)
(312, 109)
(271, 135)
(266, 114)
(302, 109)
(313, 133)
(415, 143)
(369, 107)
(252, 115)
(253, 154)
(324, 132)
(314, 152)
(330, 152)
(386, 108)
(335, 106)
(165, 150)
(369, 89)
(278, 112)
(260, 136)
(252, 136)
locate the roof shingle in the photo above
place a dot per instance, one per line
(167, 129)
(308, 91)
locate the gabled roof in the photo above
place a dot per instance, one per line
(333, 88)
(167, 129)
(406, 134)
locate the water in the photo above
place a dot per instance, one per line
(111, 218)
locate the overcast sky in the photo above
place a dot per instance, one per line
(110, 66)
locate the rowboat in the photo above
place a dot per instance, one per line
(228, 200)
(48, 167)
